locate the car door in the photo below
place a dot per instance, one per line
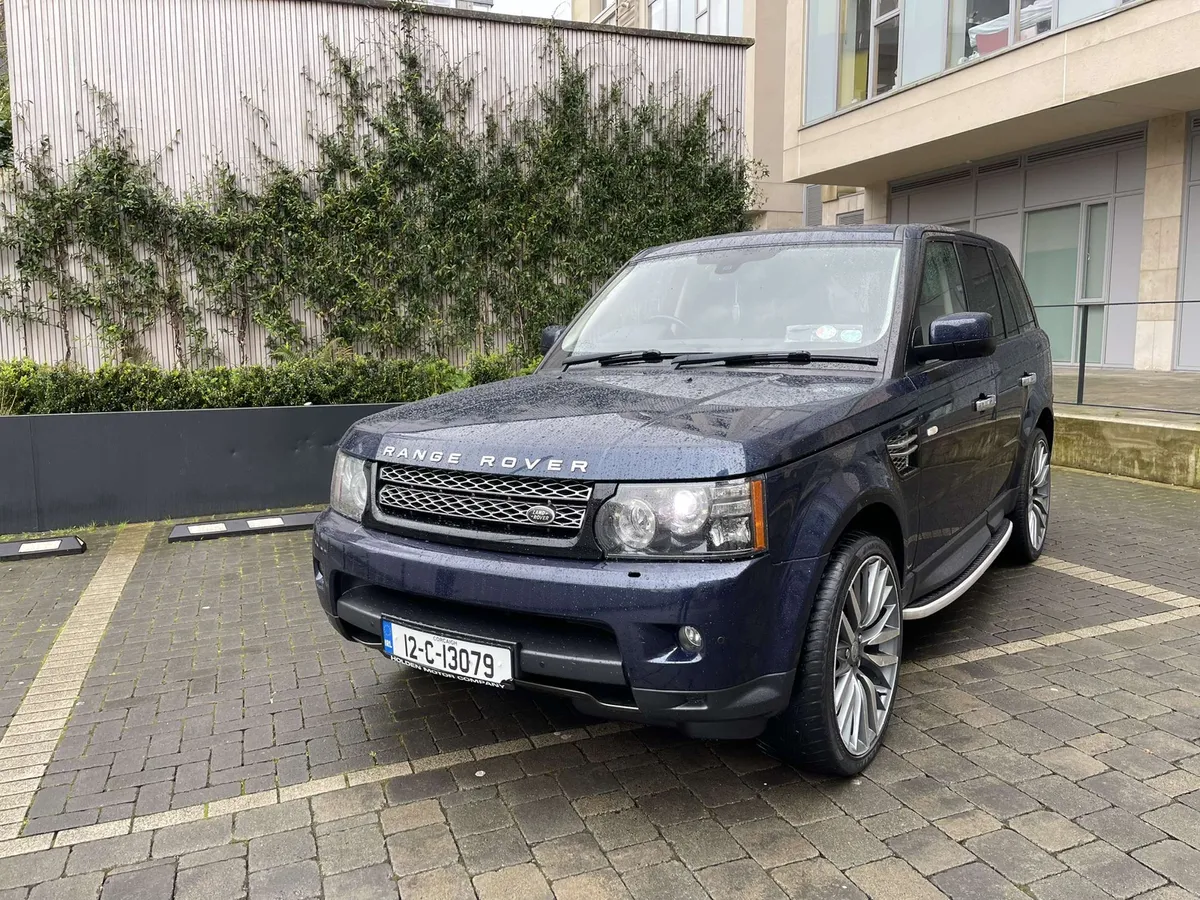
(984, 295)
(954, 433)
(1022, 359)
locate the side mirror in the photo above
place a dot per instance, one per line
(967, 335)
(550, 336)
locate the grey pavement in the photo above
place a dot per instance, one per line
(1068, 769)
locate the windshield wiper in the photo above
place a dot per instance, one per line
(610, 359)
(795, 358)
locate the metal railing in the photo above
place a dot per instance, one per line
(1156, 370)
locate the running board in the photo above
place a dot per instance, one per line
(939, 601)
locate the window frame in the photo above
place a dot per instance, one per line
(877, 21)
(912, 321)
(1014, 9)
(1008, 303)
(1023, 301)
(1000, 334)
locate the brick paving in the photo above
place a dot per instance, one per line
(1068, 771)
(35, 599)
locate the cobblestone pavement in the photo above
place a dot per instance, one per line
(226, 744)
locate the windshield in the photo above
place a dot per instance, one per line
(823, 298)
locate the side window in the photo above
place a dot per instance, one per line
(983, 294)
(941, 289)
(1020, 296)
(1007, 301)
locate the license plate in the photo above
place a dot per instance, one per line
(444, 655)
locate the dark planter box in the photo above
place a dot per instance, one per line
(67, 471)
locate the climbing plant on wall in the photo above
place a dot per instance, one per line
(415, 233)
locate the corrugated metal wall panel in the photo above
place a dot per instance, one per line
(197, 83)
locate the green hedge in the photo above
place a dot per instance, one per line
(28, 388)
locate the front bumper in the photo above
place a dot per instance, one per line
(601, 634)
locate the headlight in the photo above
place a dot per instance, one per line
(721, 518)
(350, 487)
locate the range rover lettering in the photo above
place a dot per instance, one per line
(732, 479)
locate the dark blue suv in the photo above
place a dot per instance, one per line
(747, 462)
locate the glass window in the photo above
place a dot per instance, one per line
(923, 35)
(1037, 17)
(853, 52)
(1096, 247)
(718, 16)
(883, 7)
(673, 15)
(977, 28)
(941, 289)
(702, 23)
(1008, 302)
(983, 294)
(887, 55)
(1051, 271)
(821, 59)
(1017, 292)
(826, 297)
(658, 14)
(1077, 10)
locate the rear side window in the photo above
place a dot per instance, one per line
(941, 289)
(1016, 290)
(983, 292)
(1007, 301)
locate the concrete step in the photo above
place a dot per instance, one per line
(1164, 448)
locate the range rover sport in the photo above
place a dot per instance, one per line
(733, 478)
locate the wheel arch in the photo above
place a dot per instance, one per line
(876, 514)
(1046, 422)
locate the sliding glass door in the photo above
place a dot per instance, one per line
(1066, 267)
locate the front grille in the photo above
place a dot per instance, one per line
(483, 502)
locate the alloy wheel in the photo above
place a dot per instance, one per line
(866, 657)
(1039, 494)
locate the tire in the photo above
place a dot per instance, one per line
(807, 733)
(1031, 515)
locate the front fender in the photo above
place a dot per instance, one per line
(820, 496)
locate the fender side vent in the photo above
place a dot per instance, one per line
(901, 448)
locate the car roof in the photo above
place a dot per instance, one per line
(791, 236)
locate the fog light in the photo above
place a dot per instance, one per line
(690, 639)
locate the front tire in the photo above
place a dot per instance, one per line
(1031, 517)
(846, 680)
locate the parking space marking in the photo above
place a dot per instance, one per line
(1120, 583)
(28, 743)
(10, 845)
(27, 746)
(1185, 607)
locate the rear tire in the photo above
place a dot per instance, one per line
(846, 680)
(1031, 516)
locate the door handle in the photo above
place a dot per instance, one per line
(983, 404)
(1028, 379)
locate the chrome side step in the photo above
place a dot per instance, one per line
(965, 582)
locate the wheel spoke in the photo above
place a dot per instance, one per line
(856, 705)
(839, 689)
(855, 604)
(846, 711)
(846, 631)
(870, 709)
(874, 668)
(872, 579)
(881, 632)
